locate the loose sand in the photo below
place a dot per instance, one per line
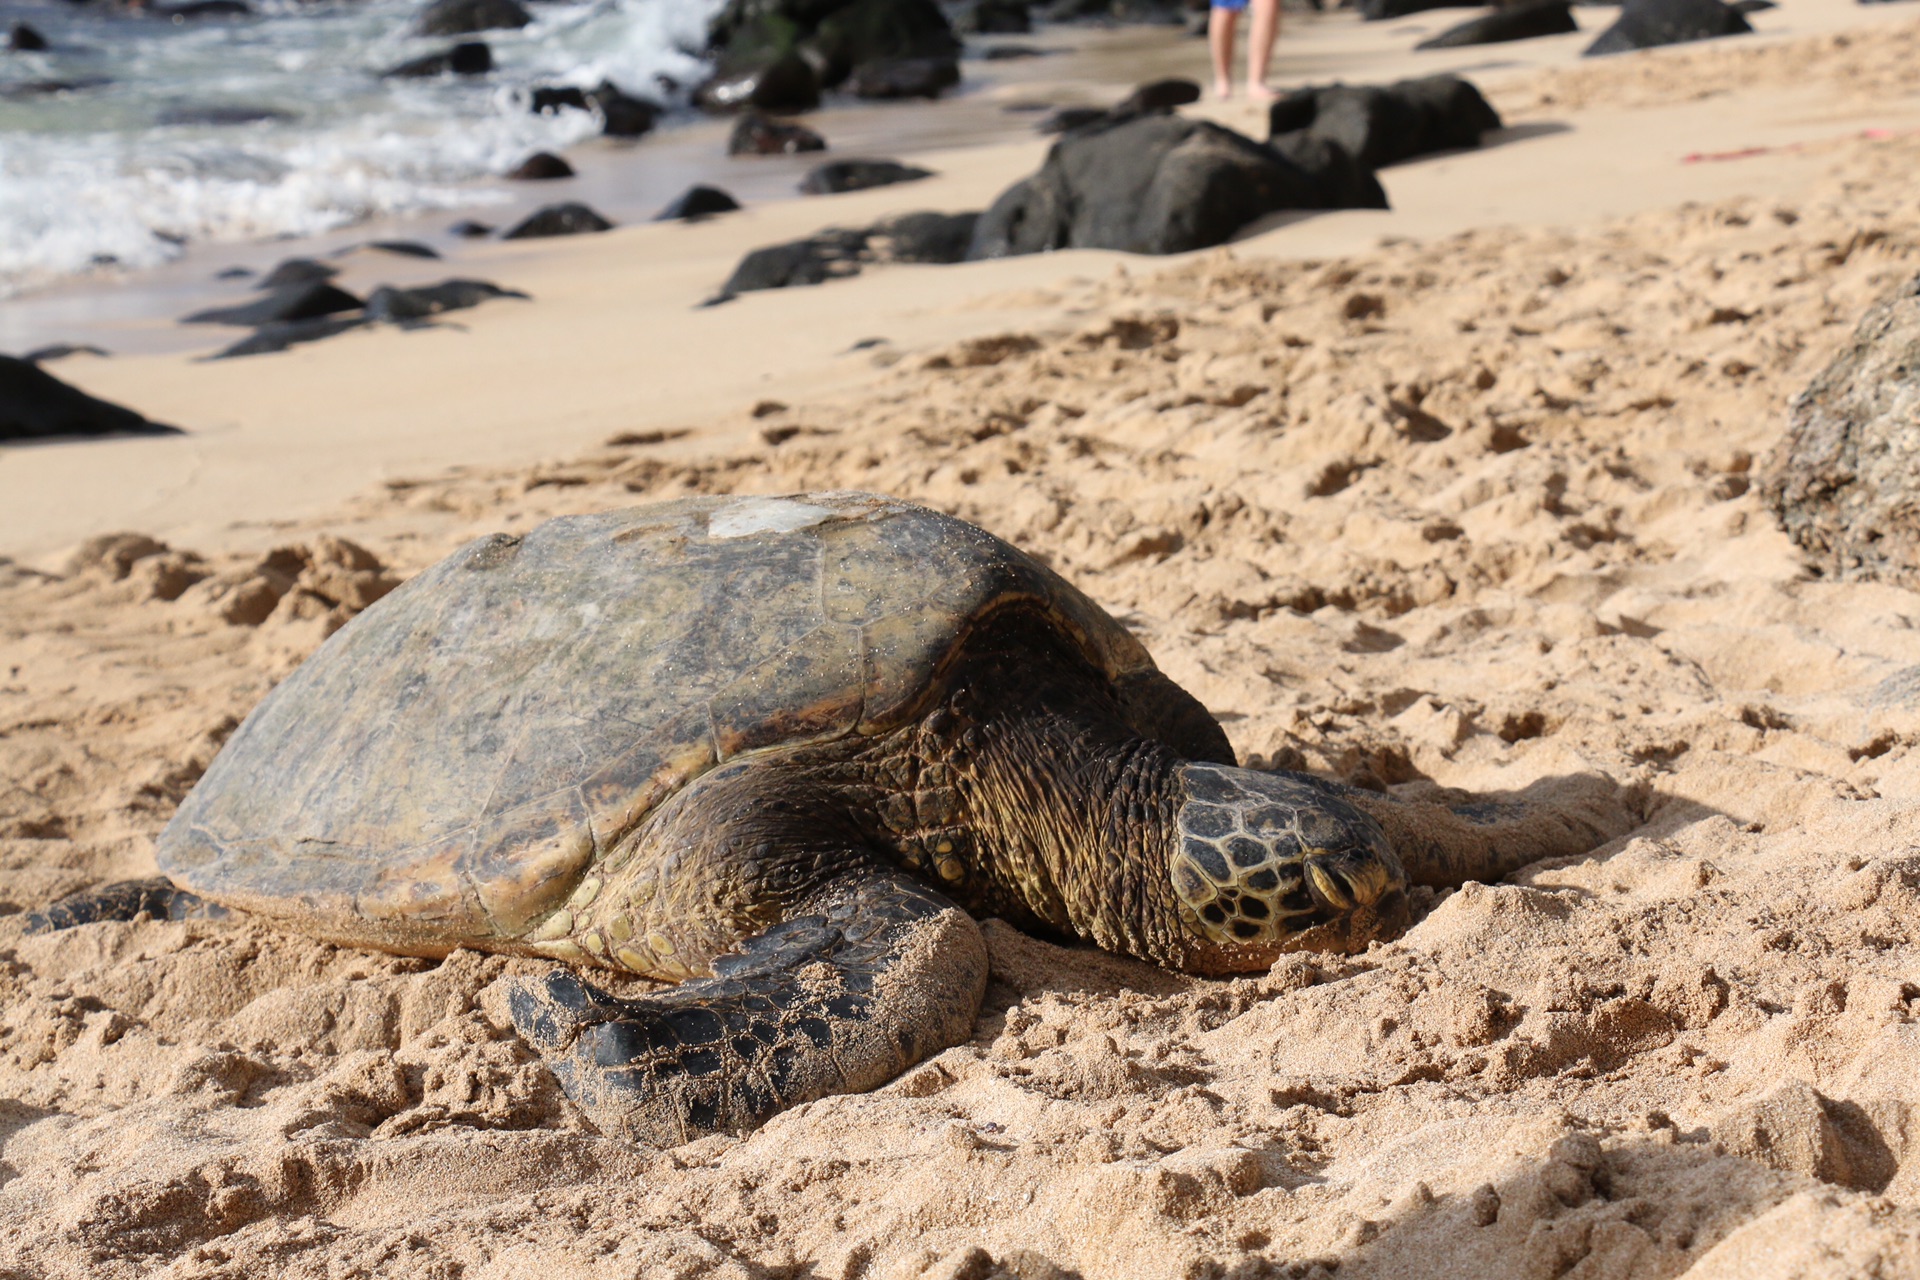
(1466, 510)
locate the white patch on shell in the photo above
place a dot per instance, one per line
(765, 515)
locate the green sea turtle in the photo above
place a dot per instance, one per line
(775, 750)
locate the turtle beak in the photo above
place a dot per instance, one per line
(1345, 879)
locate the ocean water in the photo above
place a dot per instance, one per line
(115, 176)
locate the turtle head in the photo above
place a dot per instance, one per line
(1263, 863)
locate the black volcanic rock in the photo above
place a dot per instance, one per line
(697, 202)
(464, 17)
(1520, 22)
(569, 219)
(1382, 10)
(997, 18)
(22, 38)
(858, 175)
(293, 271)
(923, 237)
(306, 301)
(786, 86)
(621, 114)
(402, 306)
(839, 252)
(1157, 95)
(278, 335)
(36, 405)
(546, 100)
(218, 114)
(1157, 183)
(905, 78)
(541, 166)
(203, 9)
(1647, 24)
(1379, 125)
(471, 58)
(756, 135)
(468, 229)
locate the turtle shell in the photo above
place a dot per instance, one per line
(450, 764)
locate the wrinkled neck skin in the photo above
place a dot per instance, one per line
(1082, 821)
(1062, 817)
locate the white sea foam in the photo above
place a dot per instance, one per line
(89, 180)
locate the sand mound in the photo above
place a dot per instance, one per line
(1471, 514)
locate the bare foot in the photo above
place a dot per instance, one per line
(1223, 89)
(1260, 93)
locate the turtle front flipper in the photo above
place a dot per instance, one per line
(874, 974)
(1447, 845)
(122, 900)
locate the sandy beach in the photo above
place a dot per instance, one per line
(1457, 496)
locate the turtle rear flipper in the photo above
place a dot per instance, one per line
(879, 974)
(158, 897)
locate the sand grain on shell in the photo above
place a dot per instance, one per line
(1472, 514)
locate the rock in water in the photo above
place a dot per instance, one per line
(35, 405)
(307, 301)
(1521, 22)
(858, 175)
(621, 114)
(1645, 24)
(541, 166)
(1379, 125)
(221, 115)
(905, 78)
(697, 202)
(569, 219)
(546, 99)
(1845, 482)
(463, 17)
(473, 58)
(1154, 184)
(22, 38)
(755, 135)
(399, 306)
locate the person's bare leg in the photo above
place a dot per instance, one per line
(1260, 37)
(1220, 29)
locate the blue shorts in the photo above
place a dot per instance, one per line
(1231, 6)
